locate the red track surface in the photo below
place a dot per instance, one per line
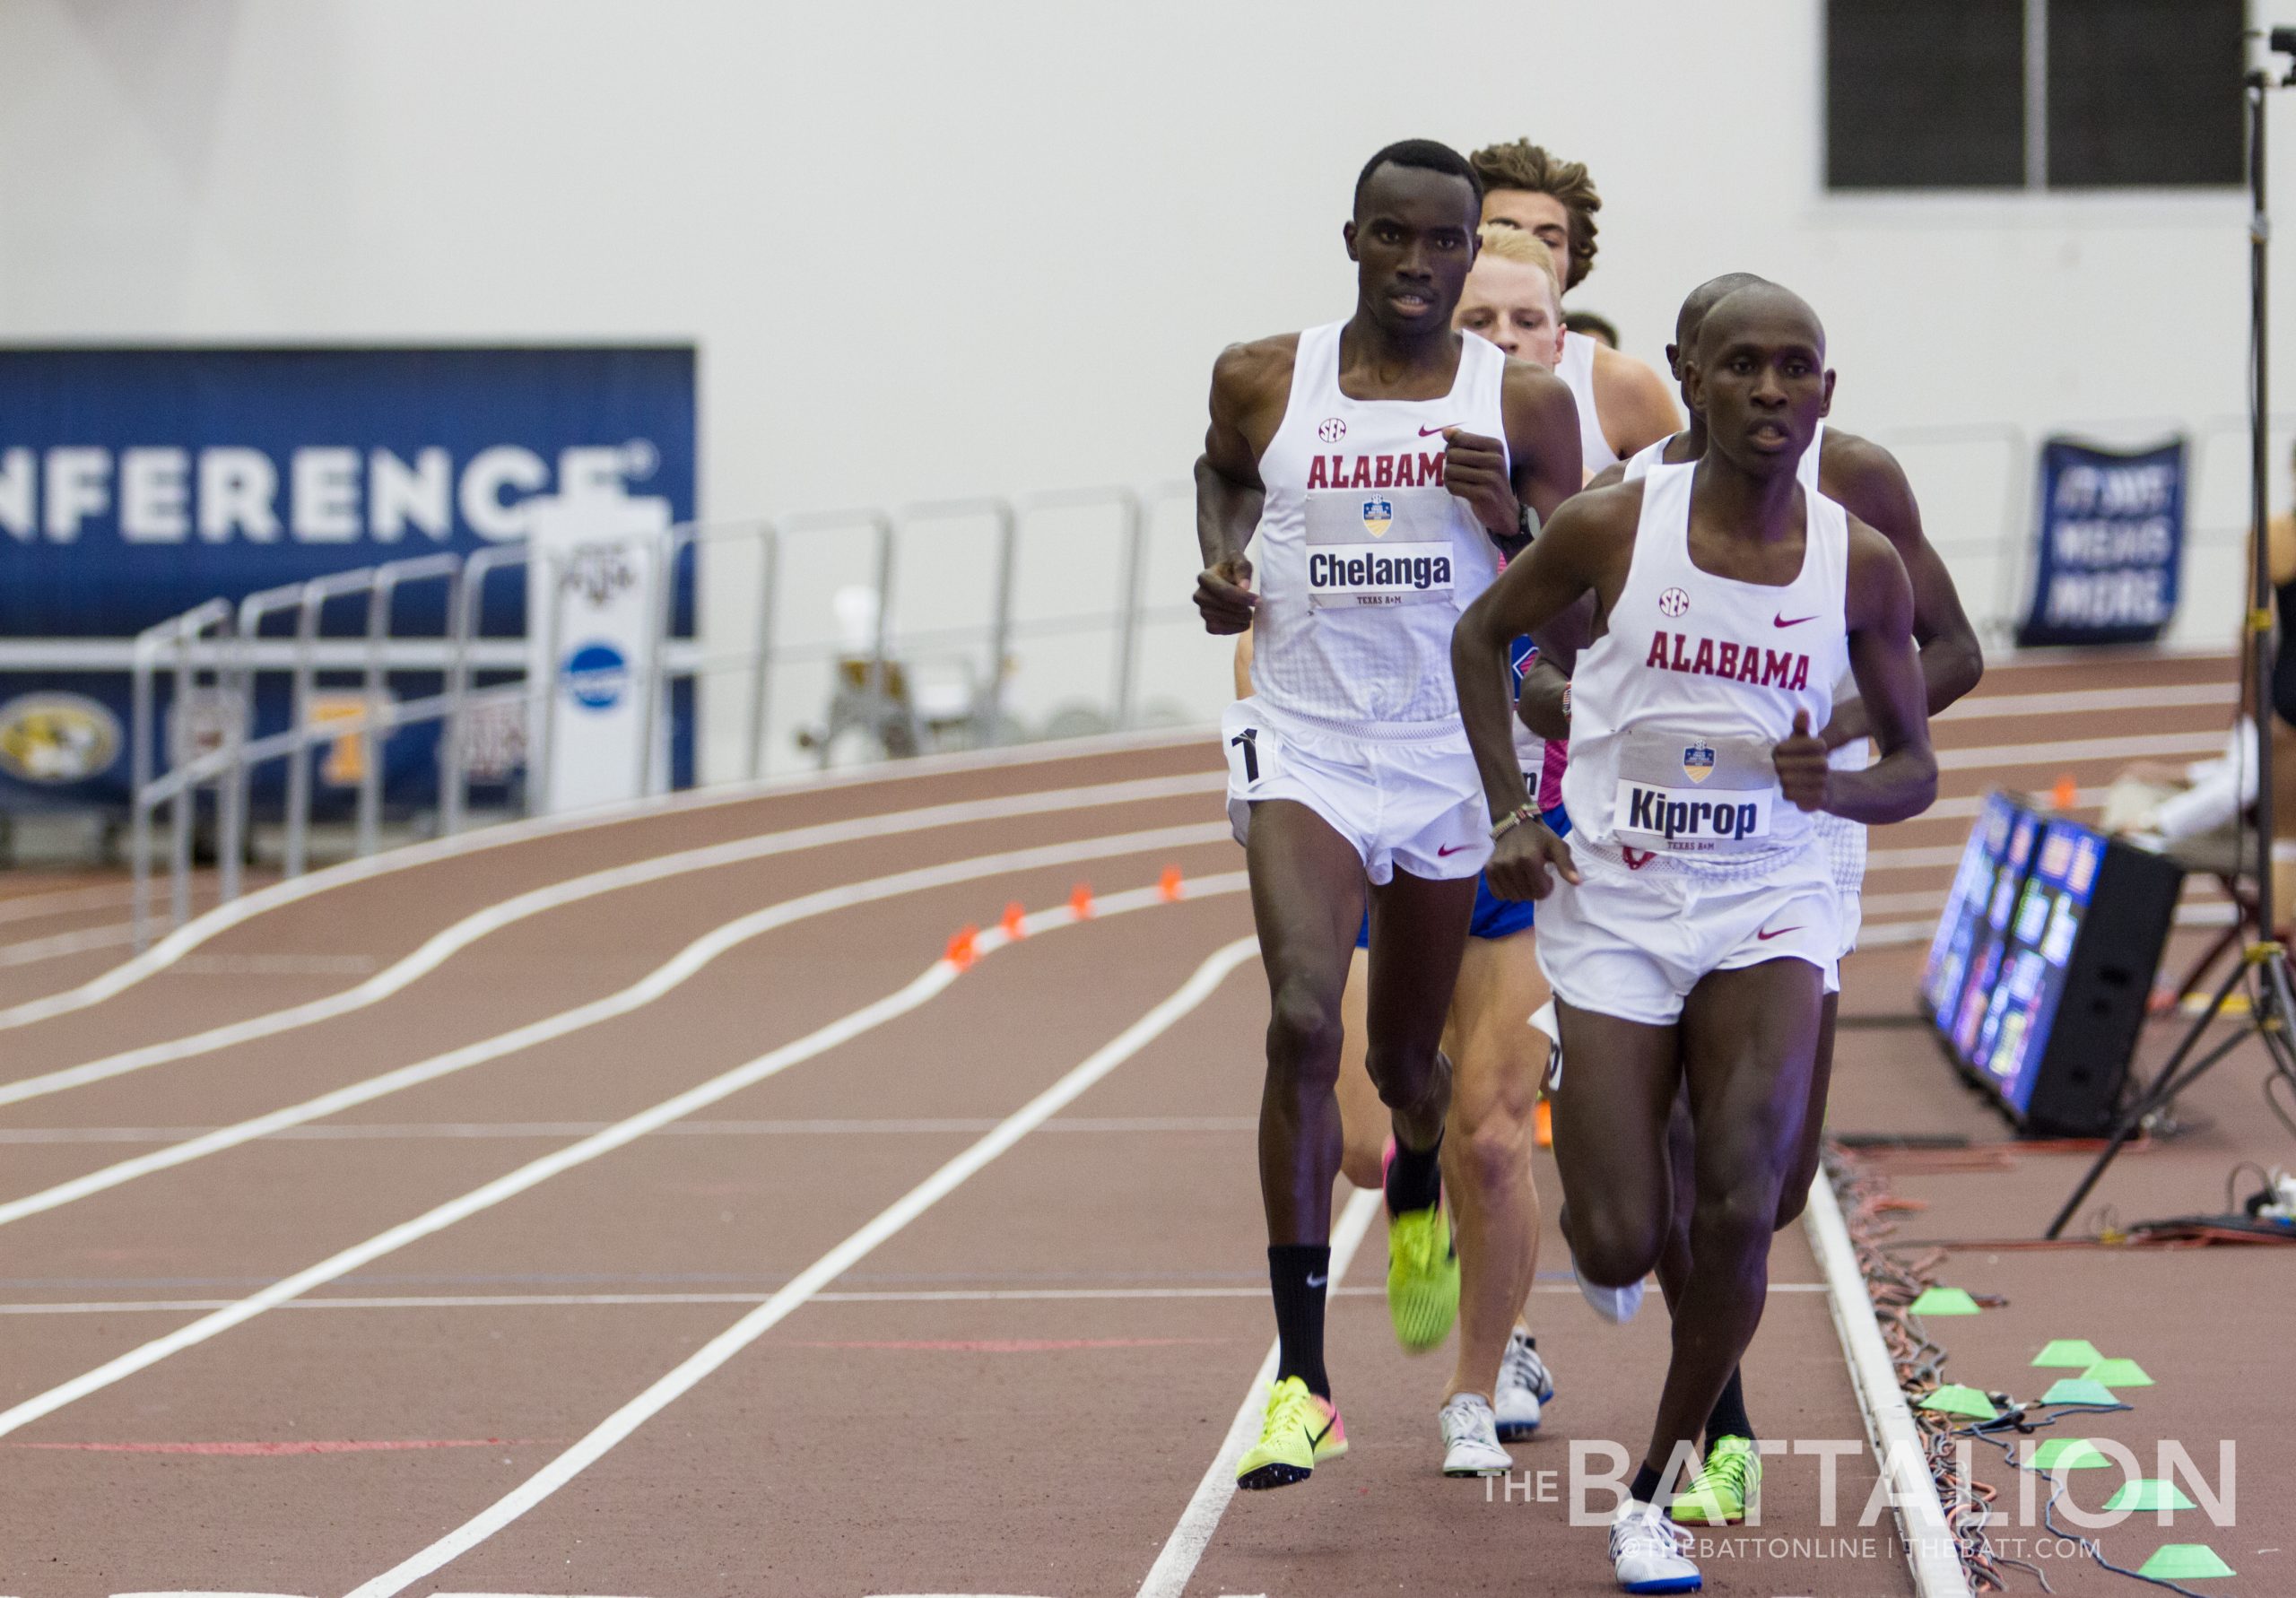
(1015, 1392)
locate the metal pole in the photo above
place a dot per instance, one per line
(2259, 501)
(879, 680)
(371, 731)
(1128, 625)
(761, 671)
(1000, 629)
(662, 551)
(232, 790)
(538, 765)
(298, 757)
(139, 760)
(454, 751)
(180, 809)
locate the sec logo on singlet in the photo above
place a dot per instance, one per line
(1378, 516)
(1331, 429)
(1673, 602)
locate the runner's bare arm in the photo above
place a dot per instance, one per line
(1573, 554)
(1868, 482)
(1635, 404)
(1544, 704)
(1542, 450)
(1882, 659)
(1227, 488)
(1610, 476)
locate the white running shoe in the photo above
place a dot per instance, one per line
(1524, 1386)
(1650, 1553)
(1471, 1438)
(1615, 1305)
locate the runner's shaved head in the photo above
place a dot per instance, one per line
(1704, 298)
(1760, 304)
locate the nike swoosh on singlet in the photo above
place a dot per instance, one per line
(1428, 432)
(1780, 620)
(1781, 932)
(1445, 851)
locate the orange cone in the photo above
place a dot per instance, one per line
(1016, 922)
(1080, 901)
(2066, 794)
(963, 949)
(1544, 1134)
(1168, 886)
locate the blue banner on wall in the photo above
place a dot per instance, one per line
(2112, 534)
(135, 483)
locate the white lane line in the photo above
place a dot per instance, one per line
(653, 1300)
(31, 952)
(1932, 1554)
(1983, 707)
(1169, 1575)
(444, 946)
(386, 1131)
(682, 1379)
(656, 983)
(2132, 747)
(67, 901)
(930, 982)
(223, 917)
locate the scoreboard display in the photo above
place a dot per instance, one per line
(2038, 974)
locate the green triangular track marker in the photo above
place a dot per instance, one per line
(1944, 1300)
(2117, 1373)
(1955, 1400)
(2078, 1390)
(2184, 1561)
(2066, 1454)
(2150, 1494)
(2068, 1353)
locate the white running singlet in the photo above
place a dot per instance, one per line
(1577, 370)
(1675, 708)
(1843, 840)
(1366, 557)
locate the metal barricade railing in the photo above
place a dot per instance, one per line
(222, 652)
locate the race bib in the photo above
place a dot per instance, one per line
(1378, 547)
(1679, 793)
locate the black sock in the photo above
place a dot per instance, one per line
(1414, 1178)
(1299, 1273)
(1645, 1489)
(1729, 1419)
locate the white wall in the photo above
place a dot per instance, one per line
(936, 248)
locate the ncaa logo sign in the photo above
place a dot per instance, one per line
(597, 675)
(1698, 762)
(1378, 516)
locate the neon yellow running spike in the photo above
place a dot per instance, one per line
(1300, 1432)
(1423, 1278)
(1725, 1486)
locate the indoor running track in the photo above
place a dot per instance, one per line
(651, 1207)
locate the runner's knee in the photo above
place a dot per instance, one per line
(1405, 1077)
(1303, 1032)
(1496, 1149)
(1615, 1244)
(1735, 1221)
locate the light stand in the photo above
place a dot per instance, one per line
(2273, 1007)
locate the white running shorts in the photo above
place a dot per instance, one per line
(1633, 943)
(1416, 805)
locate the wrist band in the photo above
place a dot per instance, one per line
(1512, 820)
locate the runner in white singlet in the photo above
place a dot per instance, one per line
(1692, 932)
(1391, 462)
(1854, 473)
(1623, 403)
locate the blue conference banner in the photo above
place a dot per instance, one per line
(2112, 534)
(135, 483)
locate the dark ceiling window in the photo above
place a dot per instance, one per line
(1925, 94)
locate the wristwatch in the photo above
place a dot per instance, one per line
(1526, 520)
(1512, 820)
